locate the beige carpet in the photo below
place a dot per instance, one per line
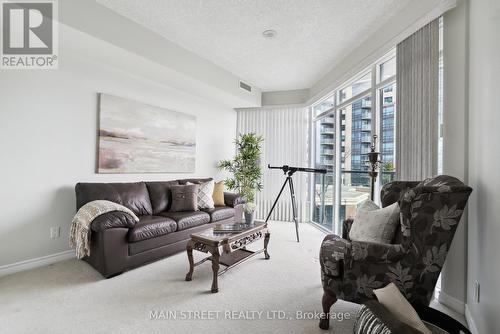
(258, 296)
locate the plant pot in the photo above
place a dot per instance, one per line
(249, 218)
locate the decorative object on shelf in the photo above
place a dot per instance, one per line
(373, 160)
(138, 138)
(246, 170)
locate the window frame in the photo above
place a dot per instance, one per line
(375, 92)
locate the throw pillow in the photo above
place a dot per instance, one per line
(375, 318)
(396, 303)
(205, 192)
(373, 224)
(184, 198)
(218, 195)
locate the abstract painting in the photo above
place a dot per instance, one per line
(138, 138)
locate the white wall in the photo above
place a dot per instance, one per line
(48, 136)
(484, 162)
(455, 141)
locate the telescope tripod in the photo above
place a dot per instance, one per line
(288, 180)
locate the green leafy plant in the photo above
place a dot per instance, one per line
(245, 166)
(388, 166)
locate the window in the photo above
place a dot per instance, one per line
(355, 88)
(344, 126)
(387, 69)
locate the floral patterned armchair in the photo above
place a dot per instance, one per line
(430, 213)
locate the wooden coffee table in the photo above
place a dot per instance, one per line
(228, 249)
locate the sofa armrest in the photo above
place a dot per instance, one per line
(232, 199)
(335, 252)
(113, 219)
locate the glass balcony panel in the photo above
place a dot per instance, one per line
(355, 180)
(387, 133)
(324, 184)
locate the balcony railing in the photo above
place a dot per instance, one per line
(327, 129)
(366, 114)
(366, 127)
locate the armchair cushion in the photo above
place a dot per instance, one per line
(373, 224)
(113, 219)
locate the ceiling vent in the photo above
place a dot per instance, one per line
(245, 86)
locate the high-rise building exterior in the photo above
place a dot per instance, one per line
(356, 137)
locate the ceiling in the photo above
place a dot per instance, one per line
(312, 35)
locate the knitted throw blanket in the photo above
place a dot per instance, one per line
(79, 235)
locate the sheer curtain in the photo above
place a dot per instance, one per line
(417, 98)
(285, 131)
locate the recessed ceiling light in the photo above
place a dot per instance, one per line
(269, 33)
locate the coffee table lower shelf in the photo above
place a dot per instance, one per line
(230, 260)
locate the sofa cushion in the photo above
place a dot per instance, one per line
(218, 195)
(187, 219)
(205, 192)
(150, 227)
(160, 195)
(220, 213)
(195, 181)
(134, 196)
(88, 192)
(184, 198)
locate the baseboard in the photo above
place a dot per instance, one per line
(470, 320)
(451, 302)
(37, 262)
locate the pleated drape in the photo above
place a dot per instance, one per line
(285, 131)
(417, 99)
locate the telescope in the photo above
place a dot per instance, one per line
(289, 171)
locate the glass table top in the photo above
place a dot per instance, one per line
(227, 230)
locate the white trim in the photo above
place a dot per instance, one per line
(451, 302)
(273, 106)
(381, 52)
(36, 262)
(470, 320)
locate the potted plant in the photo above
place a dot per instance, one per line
(246, 171)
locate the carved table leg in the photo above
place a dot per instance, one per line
(215, 268)
(266, 242)
(189, 250)
(327, 302)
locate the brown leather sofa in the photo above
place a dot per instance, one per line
(118, 243)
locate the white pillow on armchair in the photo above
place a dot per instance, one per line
(375, 224)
